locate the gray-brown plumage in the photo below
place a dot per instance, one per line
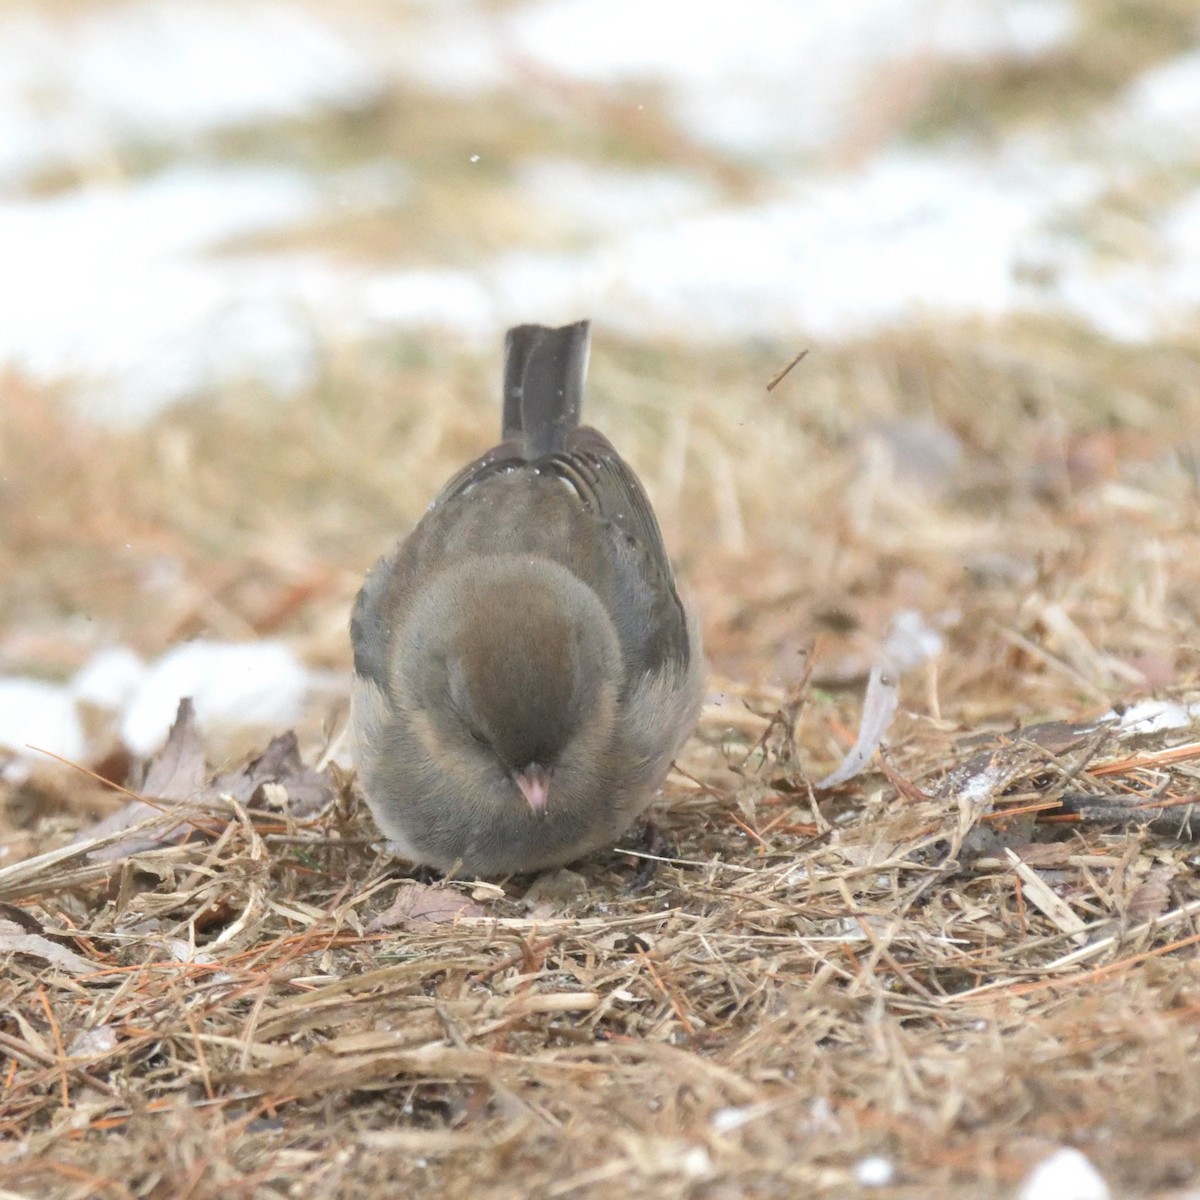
(525, 670)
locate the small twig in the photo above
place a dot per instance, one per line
(1091, 950)
(668, 993)
(1046, 901)
(108, 783)
(30, 1055)
(782, 374)
(58, 1045)
(201, 1059)
(693, 862)
(1161, 758)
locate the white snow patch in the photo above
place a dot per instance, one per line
(728, 1120)
(912, 235)
(1065, 1175)
(1164, 103)
(447, 298)
(456, 48)
(109, 678)
(1154, 716)
(76, 85)
(141, 318)
(234, 686)
(119, 289)
(768, 75)
(875, 1171)
(593, 200)
(89, 1043)
(981, 787)
(108, 285)
(36, 715)
(1137, 297)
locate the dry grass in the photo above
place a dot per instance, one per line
(813, 977)
(801, 988)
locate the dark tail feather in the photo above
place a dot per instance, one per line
(543, 384)
(519, 342)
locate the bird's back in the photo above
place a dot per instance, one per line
(551, 489)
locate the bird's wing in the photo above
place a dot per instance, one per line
(450, 525)
(370, 625)
(652, 623)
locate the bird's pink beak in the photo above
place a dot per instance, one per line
(534, 782)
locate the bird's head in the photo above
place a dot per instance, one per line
(519, 672)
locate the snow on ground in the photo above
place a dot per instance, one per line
(1064, 1175)
(235, 686)
(36, 716)
(765, 76)
(76, 84)
(1134, 299)
(129, 288)
(116, 286)
(912, 236)
(1163, 106)
(109, 284)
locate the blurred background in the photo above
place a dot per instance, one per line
(258, 258)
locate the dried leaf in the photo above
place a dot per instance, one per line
(17, 915)
(177, 774)
(1042, 854)
(15, 940)
(308, 791)
(555, 888)
(1152, 896)
(174, 774)
(418, 903)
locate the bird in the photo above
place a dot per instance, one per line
(525, 669)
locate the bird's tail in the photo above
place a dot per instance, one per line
(543, 384)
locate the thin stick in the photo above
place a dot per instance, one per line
(782, 374)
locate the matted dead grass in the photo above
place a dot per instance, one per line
(979, 950)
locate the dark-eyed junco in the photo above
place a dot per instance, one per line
(525, 670)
